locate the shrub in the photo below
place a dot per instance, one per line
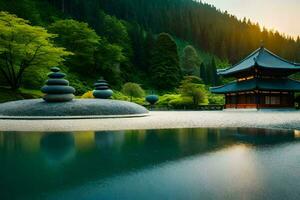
(190, 87)
(182, 103)
(120, 96)
(216, 99)
(164, 101)
(133, 90)
(35, 79)
(81, 87)
(140, 101)
(88, 95)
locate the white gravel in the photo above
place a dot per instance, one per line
(165, 119)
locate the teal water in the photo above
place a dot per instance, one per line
(151, 164)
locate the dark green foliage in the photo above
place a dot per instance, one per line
(206, 27)
(107, 62)
(25, 47)
(149, 44)
(133, 90)
(216, 99)
(12, 95)
(190, 60)
(203, 74)
(80, 39)
(212, 73)
(127, 50)
(80, 84)
(191, 87)
(138, 39)
(39, 78)
(165, 70)
(208, 73)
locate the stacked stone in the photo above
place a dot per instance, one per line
(102, 90)
(57, 88)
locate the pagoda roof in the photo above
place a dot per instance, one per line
(284, 84)
(260, 58)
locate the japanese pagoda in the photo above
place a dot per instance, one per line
(262, 82)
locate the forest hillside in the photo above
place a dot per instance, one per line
(157, 44)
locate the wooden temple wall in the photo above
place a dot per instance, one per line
(262, 99)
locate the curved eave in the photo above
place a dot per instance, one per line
(262, 84)
(288, 71)
(225, 72)
(264, 59)
(234, 87)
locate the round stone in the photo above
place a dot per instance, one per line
(102, 94)
(101, 84)
(102, 88)
(57, 89)
(55, 69)
(56, 75)
(57, 82)
(58, 97)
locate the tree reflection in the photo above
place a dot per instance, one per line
(58, 147)
(96, 156)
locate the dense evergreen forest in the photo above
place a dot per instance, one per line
(207, 28)
(154, 43)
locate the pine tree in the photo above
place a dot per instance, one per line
(165, 69)
(212, 73)
(149, 45)
(203, 74)
(190, 60)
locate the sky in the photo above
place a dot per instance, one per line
(281, 15)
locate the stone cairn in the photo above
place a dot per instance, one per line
(102, 90)
(57, 88)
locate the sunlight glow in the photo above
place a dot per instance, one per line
(297, 133)
(272, 14)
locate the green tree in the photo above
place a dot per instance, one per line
(133, 90)
(107, 62)
(149, 44)
(80, 39)
(165, 69)
(190, 60)
(228, 38)
(23, 46)
(116, 32)
(191, 86)
(214, 78)
(203, 74)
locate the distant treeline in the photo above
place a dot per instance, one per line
(218, 33)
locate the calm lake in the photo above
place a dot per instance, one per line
(151, 164)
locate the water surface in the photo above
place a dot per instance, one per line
(151, 164)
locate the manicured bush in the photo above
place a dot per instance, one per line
(164, 101)
(216, 99)
(133, 90)
(120, 96)
(190, 87)
(182, 103)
